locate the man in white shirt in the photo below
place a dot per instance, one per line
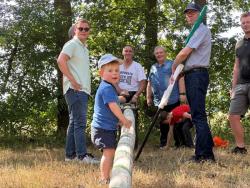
(132, 77)
(73, 62)
(132, 82)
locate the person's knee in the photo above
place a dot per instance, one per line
(109, 153)
(233, 118)
(79, 124)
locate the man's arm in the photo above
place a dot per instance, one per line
(170, 136)
(149, 94)
(186, 115)
(235, 74)
(142, 86)
(63, 66)
(121, 91)
(118, 113)
(118, 89)
(182, 90)
(181, 57)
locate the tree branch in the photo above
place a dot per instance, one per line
(10, 64)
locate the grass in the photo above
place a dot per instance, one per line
(35, 167)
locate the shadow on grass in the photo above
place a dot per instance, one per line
(16, 151)
(22, 143)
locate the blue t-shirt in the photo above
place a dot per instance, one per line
(159, 76)
(103, 117)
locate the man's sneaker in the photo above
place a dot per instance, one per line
(104, 181)
(238, 150)
(88, 159)
(201, 159)
(163, 146)
(70, 158)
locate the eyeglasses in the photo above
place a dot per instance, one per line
(83, 29)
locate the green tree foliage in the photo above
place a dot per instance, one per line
(32, 36)
(114, 24)
(27, 69)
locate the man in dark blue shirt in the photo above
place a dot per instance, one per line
(158, 81)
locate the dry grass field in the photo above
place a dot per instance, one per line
(45, 168)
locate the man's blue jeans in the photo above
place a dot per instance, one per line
(196, 89)
(77, 102)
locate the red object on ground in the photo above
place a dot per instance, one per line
(219, 142)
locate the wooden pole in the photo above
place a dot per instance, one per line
(121, 175)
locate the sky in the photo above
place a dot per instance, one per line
(234, 30)
(228, 34)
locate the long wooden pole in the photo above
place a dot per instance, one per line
(121, 175)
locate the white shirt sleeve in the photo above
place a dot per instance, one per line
(141, 73)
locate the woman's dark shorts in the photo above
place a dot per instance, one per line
(130, 96)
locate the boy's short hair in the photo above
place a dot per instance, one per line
(108, 58)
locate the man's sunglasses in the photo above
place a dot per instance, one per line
(83, 29)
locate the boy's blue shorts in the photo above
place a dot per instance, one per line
(103, 139)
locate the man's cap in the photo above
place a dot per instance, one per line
(192, 6)
(107, 58)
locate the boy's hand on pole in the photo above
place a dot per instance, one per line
(127, 123)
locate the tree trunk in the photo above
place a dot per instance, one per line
(150, 31)
(63, 21)
(13, 53)
(202, 3)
